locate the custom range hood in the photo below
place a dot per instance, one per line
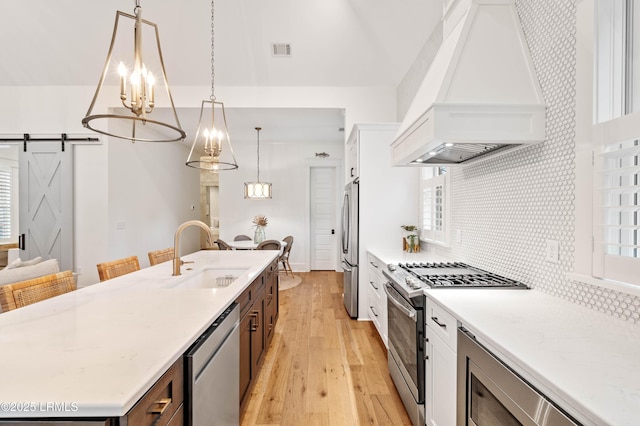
(480, 96)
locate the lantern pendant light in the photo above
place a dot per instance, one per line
(257, 190)
(127, 113)
(211, 149)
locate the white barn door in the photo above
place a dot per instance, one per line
(323, 218)
(46, 202)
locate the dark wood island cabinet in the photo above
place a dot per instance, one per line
(258, 315)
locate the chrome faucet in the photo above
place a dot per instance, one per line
(176, 242)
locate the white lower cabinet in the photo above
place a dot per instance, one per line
(440, 395)
(440, 369)
(377, 298)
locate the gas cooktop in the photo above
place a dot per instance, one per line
(412, 278)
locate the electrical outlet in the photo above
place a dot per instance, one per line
(552, 253)
(121, 225)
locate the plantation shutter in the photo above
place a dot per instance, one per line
(621, 187)
(617, 220)
(5, 203)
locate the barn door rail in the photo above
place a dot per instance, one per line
(63, 138)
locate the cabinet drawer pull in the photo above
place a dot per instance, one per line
(373, 310)
(159, 407)
(435, 319)
(373, 285)
(255, 326)
(374, 265)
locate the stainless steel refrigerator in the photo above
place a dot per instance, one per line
(350, 247)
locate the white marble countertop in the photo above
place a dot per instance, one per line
(95, 351)
(585, 361)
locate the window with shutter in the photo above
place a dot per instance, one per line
(433, 205)
(617, 187)
(616, 211)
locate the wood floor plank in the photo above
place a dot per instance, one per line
(271, 403)
(316, 398)
(387, 409)
(322, 367)
(343, 407)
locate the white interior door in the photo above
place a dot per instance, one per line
(46, 202)
(323, 218)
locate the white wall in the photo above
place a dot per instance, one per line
(140, 185)
(111, 185)
(286, 166)
(361, 104)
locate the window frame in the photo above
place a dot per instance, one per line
(439, 178)
(615, 122)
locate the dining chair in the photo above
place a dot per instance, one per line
(160, 256)
(269, 245)
(116, 268)
(242, 237)
(23, 293)
(284, 257)
(222, 245)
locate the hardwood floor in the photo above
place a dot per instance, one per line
(322, 367)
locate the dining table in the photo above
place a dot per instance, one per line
(249, 245)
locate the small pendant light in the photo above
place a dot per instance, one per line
(127, 113)
(211, 149)
(257, 190)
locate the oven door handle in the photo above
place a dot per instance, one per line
(395, 298)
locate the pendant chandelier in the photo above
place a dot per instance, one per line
(142, 82)
(257, 190)
(211, 149)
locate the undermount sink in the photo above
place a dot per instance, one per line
(209, 278)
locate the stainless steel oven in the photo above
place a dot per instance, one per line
(405, 316)
(489, 393)
(406, 350)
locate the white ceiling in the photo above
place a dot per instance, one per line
(334, 42)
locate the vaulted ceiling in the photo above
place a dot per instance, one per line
(333, 42)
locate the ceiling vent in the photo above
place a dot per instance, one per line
(281, 49)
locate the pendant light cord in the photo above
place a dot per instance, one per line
(258, 129)
(213, 74)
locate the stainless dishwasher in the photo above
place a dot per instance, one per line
(212, 368)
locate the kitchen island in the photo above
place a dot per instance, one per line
(94, 352)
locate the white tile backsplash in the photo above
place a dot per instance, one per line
(508, 207)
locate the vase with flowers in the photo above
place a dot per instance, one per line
(260, 223)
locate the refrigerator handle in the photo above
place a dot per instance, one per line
(345, 224)
(346, 266)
